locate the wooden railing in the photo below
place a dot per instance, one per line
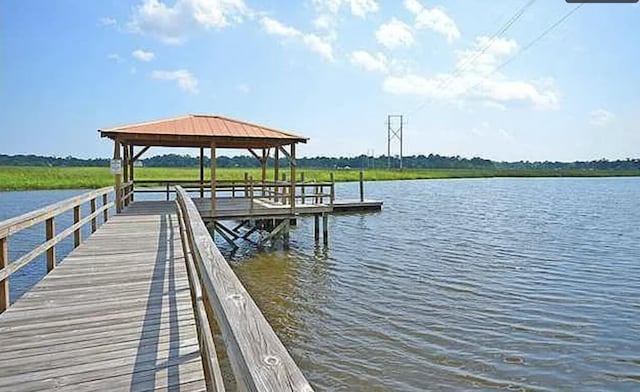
(48, 215)
(259, 360)
(276, 191)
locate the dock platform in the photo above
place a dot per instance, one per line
(116, 314)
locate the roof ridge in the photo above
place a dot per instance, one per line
(288, 133)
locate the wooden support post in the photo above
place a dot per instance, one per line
(361, 185)
(332, 191)
(131, 170)
(325, 228)
(201, 172)
(251, 193)
(167, 191)
(284, 189)
(105, 214)
(263, 167)
(118, 178)
(94, 220)
(302, 188)
(316, 227)
(76, 232)
(50, 229)
(246, 184)
(4, 284)
(213, 179)
(276, 171)
(292, 168)
(125, 163)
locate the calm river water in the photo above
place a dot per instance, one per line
(519, 284)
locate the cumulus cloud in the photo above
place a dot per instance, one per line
(369, 62)
(358, 8)
(601, 117)
(143, 55)
(395, 34)
(172, 23)
(314, 42)
(435, 19)
(184, 79)
(478, 81)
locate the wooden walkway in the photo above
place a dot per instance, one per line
(115, 315)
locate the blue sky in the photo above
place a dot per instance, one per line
(328, 69)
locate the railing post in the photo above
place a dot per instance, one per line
(332, 191)
(246, 188)
(167, 191)
(302, 188)
(105, 214)
(76, 232)
(284, 189)
(4, 284)
(251, 192)
(94, 220)
(361, 185)
(51, 252)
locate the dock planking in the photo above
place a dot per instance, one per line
(116, 314)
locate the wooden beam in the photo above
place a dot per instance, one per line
(292, 168)
(213, 179)
(131, 165)
(125, 163)
(51, 252)
(118, 177)
(4, 283)
(139, 154)
(201, 172)
(254, 154)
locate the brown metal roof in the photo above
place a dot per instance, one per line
(200, 130)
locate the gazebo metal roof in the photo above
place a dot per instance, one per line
(199, 130)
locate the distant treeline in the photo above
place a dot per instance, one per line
(431, 161)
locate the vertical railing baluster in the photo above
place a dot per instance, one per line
(51, 252)
(105, 213)
(76, 232)
(4, 284)
(94, 220)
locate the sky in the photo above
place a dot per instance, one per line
(467, 82)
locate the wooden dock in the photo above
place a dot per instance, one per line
(115, 315)
(134, 307)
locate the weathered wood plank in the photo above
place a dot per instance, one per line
(259, 360)
(105, 320)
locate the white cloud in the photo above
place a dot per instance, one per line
(274, 27)
(395, 34)
(115, 57)
(435, 19)
(601, 117)
(143, 55)
(369, 62)
(471, 82)
(318, 45)
(106, 21)
(172, 23)
(358, 8)
(363, 7)
(312, 41)
(185, 79)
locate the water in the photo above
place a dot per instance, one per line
(484, 284)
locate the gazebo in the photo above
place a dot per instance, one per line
(202, 131)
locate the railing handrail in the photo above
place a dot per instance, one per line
(47, 215)
(259, 360)
(16, 224)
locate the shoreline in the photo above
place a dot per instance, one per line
(25, 178)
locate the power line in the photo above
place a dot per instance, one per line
(462, 67)
(529, 45)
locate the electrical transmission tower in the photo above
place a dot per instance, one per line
(395, 124)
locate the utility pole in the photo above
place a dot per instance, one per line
(394, 132)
